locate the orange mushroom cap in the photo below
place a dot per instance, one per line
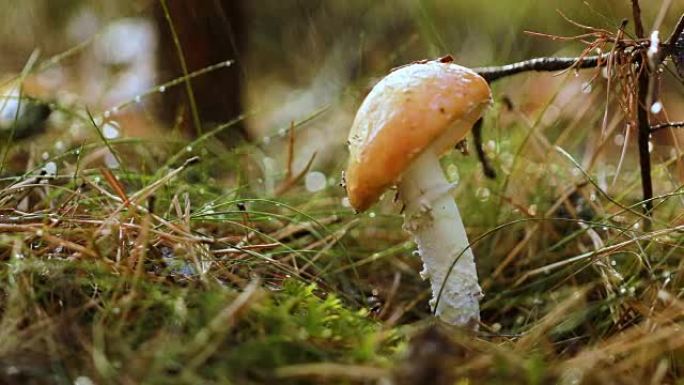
(408, 111)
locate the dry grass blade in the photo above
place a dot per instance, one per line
(327, 370)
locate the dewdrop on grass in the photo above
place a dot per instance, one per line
(50, 168)
(110, 130)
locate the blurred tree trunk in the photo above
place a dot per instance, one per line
(209, 31)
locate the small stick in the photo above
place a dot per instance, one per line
(479, 150)
(541, 64)
(662, 126)
(644, 127)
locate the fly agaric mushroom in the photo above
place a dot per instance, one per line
(407, 121)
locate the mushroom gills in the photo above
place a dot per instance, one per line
(432, 217)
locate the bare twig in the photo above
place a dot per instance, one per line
(662, 126)
(636, 13)
(643, 129)
(479, 150)
(541, 64)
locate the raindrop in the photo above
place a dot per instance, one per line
(12, 370)
(59, 146)
(532, 210)
(636, 226)
(656, 107)
(111, 161)
(371, 214)
(655, 42)
(315, 181)
(83, 380)
(50, 168)
(137, 98)
(345, 202)
(613, 262)
(115, 110)
(452, 173)
(650, 146)
(586, 88)
(45, 155)
(282, 132)
(107, 114)
(188, 149)
(619, 139)
(483, 194)
(162, 89)
(75, 130)
(110, 130)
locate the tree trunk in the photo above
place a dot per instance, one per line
(209, 32)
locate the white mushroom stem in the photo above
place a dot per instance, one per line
(431, 215)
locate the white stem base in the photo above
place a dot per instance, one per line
(432, 217)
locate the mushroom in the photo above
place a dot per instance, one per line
(407, 121)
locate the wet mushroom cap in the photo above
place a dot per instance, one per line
(413, 108)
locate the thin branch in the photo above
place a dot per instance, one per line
(636, 13)
(541, 64)
(644, 127)
(479, 150)
(662, 126)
